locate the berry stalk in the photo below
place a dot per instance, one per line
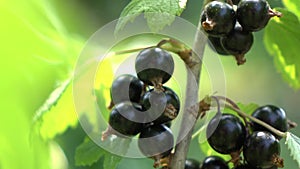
(188, 118)
(272, 129)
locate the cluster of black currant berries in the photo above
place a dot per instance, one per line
(142, 105)
(250, 145)
(230, 24)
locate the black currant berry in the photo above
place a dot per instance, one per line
(262, 150)
(254, 15)
(238, 43)
(226, 133)
(215, 44)
(156, 141)
(218, 18)
(274, 116)
(126, 118)
(154, 66)
(161, 106)
(214, 162)
(191, 164)
(126, 88)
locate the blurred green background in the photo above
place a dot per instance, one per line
(40, 41)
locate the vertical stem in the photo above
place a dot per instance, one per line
(189, 120)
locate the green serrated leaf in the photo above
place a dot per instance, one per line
(57, 113)
(293, 6)
(89, 152)
(282, 46)
(158, 13)
(293, 143)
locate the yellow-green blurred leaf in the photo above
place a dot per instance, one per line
(281, 38)
(58, 112)
(293, 6)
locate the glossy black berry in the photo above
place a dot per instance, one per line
(218, 18)
(214, 162)
(262, 150)
(161, 107)
(253, 15)
(237, 42)
(126, 88)
(215, 44)
(272, 115)
(126, 118)
(154, 65)
(191, 164)
(226, 133)
(156, 141)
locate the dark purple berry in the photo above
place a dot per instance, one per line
(214, 162)
(254, 15)
(126, 118)
(154, 66)
(191, 164)
(226, 133)
(218, 18)
(161, 107)
(237, 43)
(262, 150)
(156, 141)
(272, 115)
(215, 44)
(126, 88)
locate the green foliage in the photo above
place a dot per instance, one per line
(293, 143)
(89, 152)
(57, 113)
(36, 52)
(246, 108)
(292, 6)
(283, 46)
(158, 13)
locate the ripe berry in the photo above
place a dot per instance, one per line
(237, 43)
(156, 141)
(254, 15)
(191, 164)
(218, 18)
(215, 44)
(126, 88)
(154, 66)
(126, 119)
(214, 162)
(162, 107)
(262, 150)
(272, 115)
(226, 133)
